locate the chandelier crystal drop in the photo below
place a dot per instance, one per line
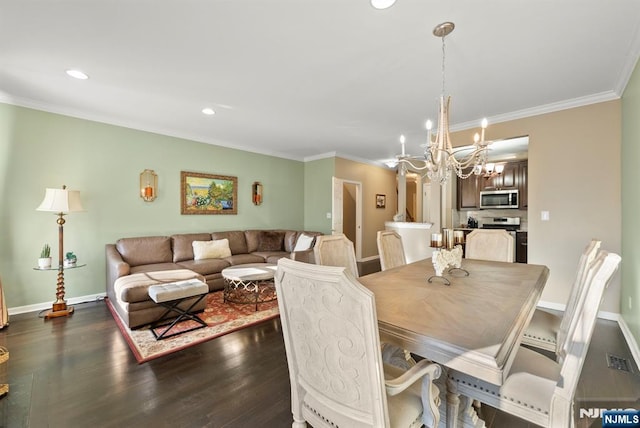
(439, 158)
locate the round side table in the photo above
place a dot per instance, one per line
(249, 283)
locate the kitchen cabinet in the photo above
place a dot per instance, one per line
(521, 247)
(514, 176)
(508, 179)
(522, 188)
(468, 192)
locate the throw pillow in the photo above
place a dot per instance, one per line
(211, 249)
(271, 241)
(304, 242)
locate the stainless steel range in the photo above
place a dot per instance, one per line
(510, 224)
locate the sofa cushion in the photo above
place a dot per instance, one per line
(272, 256)
(243, 259)
(290, 238)
(217, 249)
(252, 237)
(154, 267)
(145, 250)
(237, 241)
(134, 288)
(205, 267)
(182, 244)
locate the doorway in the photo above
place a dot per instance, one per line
(346, 216)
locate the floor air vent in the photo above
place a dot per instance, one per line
(618, 363)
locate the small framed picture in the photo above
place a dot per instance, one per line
(381, 200)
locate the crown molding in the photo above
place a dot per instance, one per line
(544, 109)
(344, 156)
(55, 109)
(361, 160)
(319, 157)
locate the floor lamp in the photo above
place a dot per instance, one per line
(61, 202)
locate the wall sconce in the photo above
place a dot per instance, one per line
(148, 185)
(256, 193)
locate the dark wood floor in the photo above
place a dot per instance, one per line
(79, 372)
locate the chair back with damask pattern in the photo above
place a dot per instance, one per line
(490, 244)
(333, 348)
(336, 250)
(390, 249)
(331, 337)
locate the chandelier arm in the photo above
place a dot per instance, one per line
(414, 166)
(477, 148)
(472, 160)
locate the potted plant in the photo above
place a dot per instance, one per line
(70, 259)
(44, 262)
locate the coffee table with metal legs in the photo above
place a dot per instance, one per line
(249, 283)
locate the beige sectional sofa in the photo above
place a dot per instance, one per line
(160, 253)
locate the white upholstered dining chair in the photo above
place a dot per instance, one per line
(548, 331)
(489, 244)
(336, 250)
(390, 249)
(537, 388)
(332, 343)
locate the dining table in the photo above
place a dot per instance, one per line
(470, 319)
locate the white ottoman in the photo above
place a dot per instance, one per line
(170, 295)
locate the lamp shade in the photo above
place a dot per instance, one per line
(61, 201)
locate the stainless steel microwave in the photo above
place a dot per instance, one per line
(499, 199)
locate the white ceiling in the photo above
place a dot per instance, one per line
(302, 78)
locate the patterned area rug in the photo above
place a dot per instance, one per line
(221, 318)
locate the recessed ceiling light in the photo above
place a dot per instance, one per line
(209, 111)
(382, 4)
(77, 74)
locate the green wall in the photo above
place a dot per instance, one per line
(631, 204)
(318, 194)
(40, 150)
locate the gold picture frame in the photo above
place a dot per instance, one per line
(208, 193)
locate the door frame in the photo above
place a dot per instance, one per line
(337, 218)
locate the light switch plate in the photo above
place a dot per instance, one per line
(544, 216)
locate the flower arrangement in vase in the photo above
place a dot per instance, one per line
(44, 262)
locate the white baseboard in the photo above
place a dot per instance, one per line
(551, 305)
(47, 305)
(611, 316)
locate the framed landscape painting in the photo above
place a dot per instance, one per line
(208, 193)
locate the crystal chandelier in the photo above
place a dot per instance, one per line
(439, 157)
